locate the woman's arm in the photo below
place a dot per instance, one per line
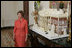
(14, 30)
(26, 29)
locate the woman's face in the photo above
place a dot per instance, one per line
(19, 15)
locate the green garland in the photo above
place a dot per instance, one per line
(36, 5)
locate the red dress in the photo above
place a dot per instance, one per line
(20, 31)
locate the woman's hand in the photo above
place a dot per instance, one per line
(13, 37)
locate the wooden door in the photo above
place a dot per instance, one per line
(26, 10)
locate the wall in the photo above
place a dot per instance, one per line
(44, 4)
(19, 5)
(31, 8)
(9, 11)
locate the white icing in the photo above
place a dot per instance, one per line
(52, 13)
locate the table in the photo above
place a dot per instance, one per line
(60, 41)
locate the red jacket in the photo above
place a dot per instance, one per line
(20, 31)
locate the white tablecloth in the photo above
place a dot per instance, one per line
(49, 36)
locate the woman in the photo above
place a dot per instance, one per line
(20, 30)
